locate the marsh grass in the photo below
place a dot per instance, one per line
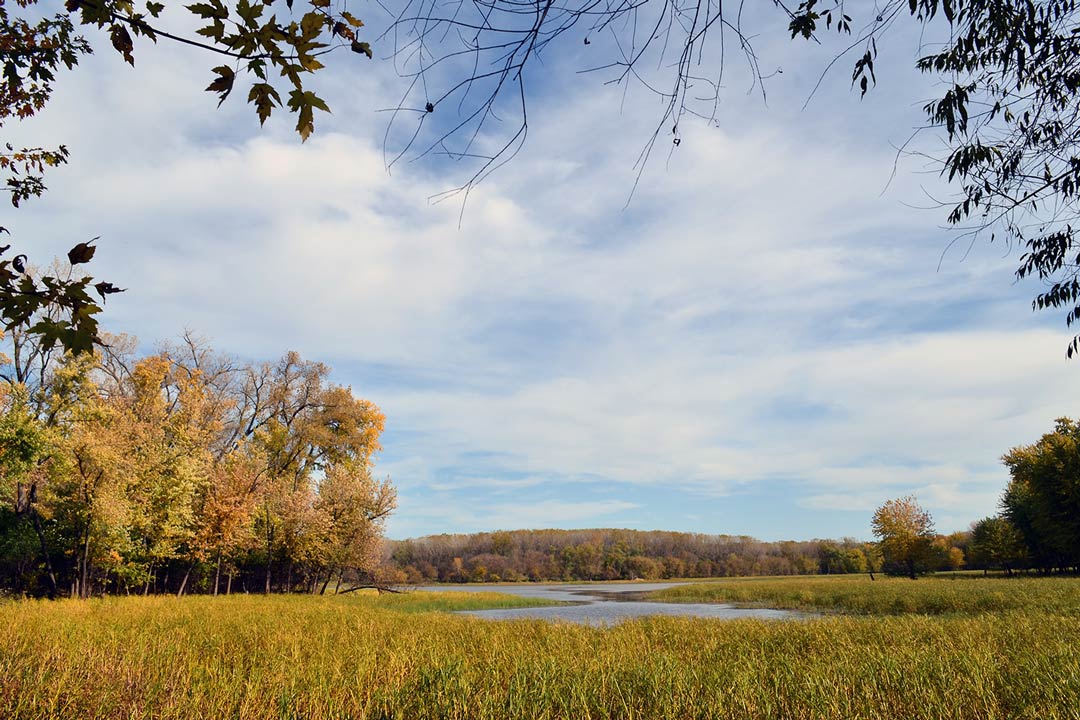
(392, 657)
(933, 595)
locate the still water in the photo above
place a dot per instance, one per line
(604, 603)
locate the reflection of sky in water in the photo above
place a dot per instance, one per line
(605, 604)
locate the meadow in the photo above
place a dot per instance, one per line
(946, 593)
(404, 656)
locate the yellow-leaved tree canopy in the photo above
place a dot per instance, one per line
(183, 470)
(906, 537)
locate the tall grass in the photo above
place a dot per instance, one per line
(369, 657)
(933, 595)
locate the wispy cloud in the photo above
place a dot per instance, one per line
(760, 342)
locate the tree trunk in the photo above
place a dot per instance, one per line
(269, 550)
(228, 584)
(183, 583)
(36, 521)
(84, 584)
(329, 575)
(217, 574)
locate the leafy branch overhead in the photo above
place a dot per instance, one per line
(59, 309)
(257, 38)
(1008, 112)
(1010, 115)
(265, 44)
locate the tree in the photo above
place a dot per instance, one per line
(1042, 500)
(169, 470)
(1008, 113)
(276, 55)
(906, 537)
(996, 543)
(354, 506)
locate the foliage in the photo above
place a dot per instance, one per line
(1007, 114)
(254, 657)
(838, 560)
(962, 594)
(610, 554)
(185, 468)
(906, 537)
(996, 543)
(1042, 500)
(58, 307)
(276, 55)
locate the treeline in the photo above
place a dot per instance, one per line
(182, 471)
(610, 554)
(1039, 524)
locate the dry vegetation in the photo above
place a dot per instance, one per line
(397, 657)
(956, 593)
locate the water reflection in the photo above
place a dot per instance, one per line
(605, 603)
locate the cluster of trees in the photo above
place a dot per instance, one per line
(1038, 527)
(180, 471)
(1039, 524)
(608, 554)
(908, 544)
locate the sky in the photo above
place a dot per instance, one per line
(767, 332)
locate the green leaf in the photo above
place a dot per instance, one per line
(303, 102)
(361, 47)
(265, 98)
(209, 11)
(311, 25)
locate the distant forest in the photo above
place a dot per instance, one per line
(610, 554)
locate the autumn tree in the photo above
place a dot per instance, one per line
(354, 506)
(42, 396)
(996, 543)
(606, 553)
(26, 448)
(169, 471)
(1042, 500)
(905, 533)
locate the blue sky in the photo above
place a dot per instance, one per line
(771, 338)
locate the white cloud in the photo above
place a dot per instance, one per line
(758, 314)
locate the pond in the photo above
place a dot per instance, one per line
(605, 603)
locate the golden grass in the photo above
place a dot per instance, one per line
(933, 595)
(391, 657)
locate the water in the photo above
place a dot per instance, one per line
(604, 603)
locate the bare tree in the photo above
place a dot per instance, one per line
(473, 57)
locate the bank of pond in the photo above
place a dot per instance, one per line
(951, 652)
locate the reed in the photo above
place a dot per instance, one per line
(353, 656)
(857, 594)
